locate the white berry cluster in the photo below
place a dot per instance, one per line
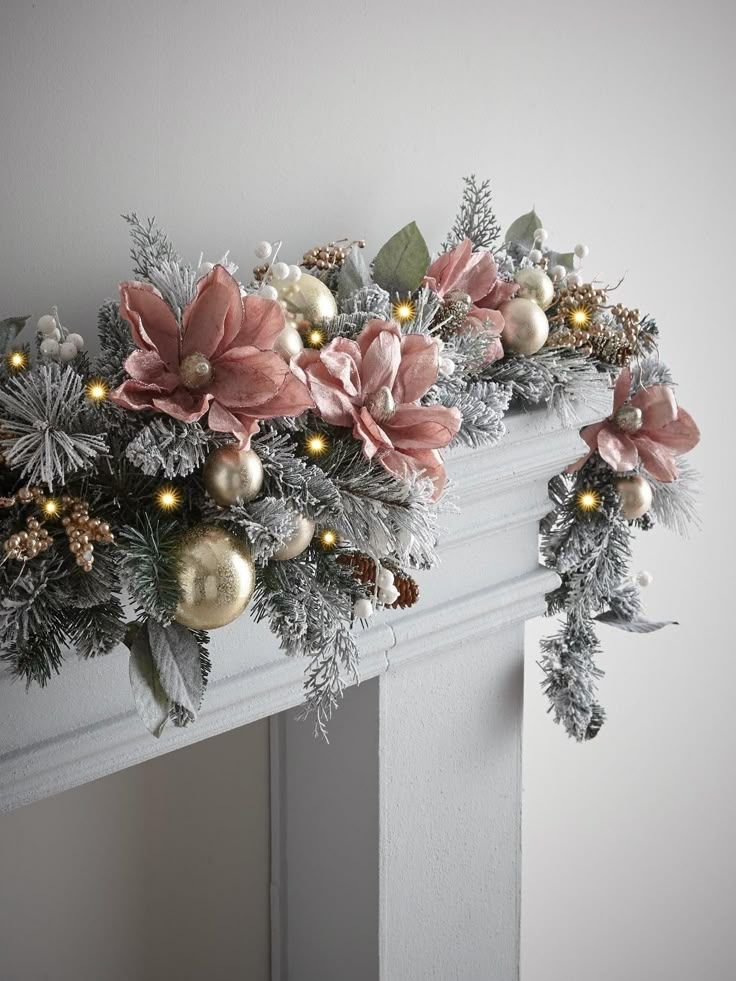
(58, 343)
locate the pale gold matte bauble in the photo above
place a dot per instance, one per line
(288, 343)
(636, 496)
(232, 475)
(535, 284)
(526, 327)
(216, 576)
(300, 539)
(307, 299)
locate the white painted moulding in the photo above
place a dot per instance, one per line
(83, 725)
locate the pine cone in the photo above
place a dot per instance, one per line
(408, 591)
(364, 570)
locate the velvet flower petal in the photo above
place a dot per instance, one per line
(666, 431)
(373, 384)
(221, 361)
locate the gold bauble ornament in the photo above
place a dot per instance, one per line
(288, 343)
(232, 475)
(636, 496)
(216, 576)
(299, 540)
(535, 284)
(307, 299)
(526, 327)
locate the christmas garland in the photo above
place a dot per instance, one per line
(279, 444)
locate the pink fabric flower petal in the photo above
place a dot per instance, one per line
(372, 330)
(590, 434)
(147, 367)
(245, 377)
(367, 429)
(381, 362)
(418, 369)
(183, 404)
(330, 399)
(343, 359)
(422, 426)
(221, 420)
(656, 459)
(213, 318)
(658, 406)
(152, 323)
(617, 449)
(263, 321)
(134, 395)
(292, 399)
(679, 436)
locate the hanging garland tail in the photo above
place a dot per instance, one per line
(277, 445)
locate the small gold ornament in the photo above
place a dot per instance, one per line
(299, 540)
(381, 404)
(525, 326)
(288, 343)
(216, 576)
(195, 371)
(232, 475)
(535, 284)
(628, 418)
(636, 496)
(307, 299)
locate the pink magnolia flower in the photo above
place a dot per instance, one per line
(476, 274)
(221, 360)
(373, 384)
(651, 429)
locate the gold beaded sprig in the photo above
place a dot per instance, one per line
(82, 531)
(576, 324)
(331, 255)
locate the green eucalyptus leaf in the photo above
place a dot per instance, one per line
(175, 655)
(566, 259)
(9, 330)
(354, 274)
(151, 701)
(639, 626)
(402, 263)
(521, 231)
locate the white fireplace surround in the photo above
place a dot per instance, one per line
(427, 764)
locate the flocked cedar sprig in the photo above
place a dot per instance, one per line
(476, 218)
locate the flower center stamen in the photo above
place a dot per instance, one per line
(195, 371)
(381, 404)
(628, 418)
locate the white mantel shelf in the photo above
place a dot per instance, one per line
(410, 820)
(83, 725)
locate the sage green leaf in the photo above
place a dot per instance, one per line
(639, 626)
(566, 259)
(402, 263)
(354, 274)
(521, 231)
(9, 330)
(176, 656)
(150, 699)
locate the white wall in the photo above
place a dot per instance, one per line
(160, 871)
(236, 122)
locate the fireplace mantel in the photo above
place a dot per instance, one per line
(419, 791)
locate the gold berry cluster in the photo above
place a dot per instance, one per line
(573, 302)
(329, 256)
(25, 545)
(82, 531)
(577, 323)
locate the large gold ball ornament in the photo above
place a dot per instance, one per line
(288, 343)
(216, 576)
(299, 540)
(307, 299)
(232, 475)
(535, 284)
(636, 496)
(526, 327)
